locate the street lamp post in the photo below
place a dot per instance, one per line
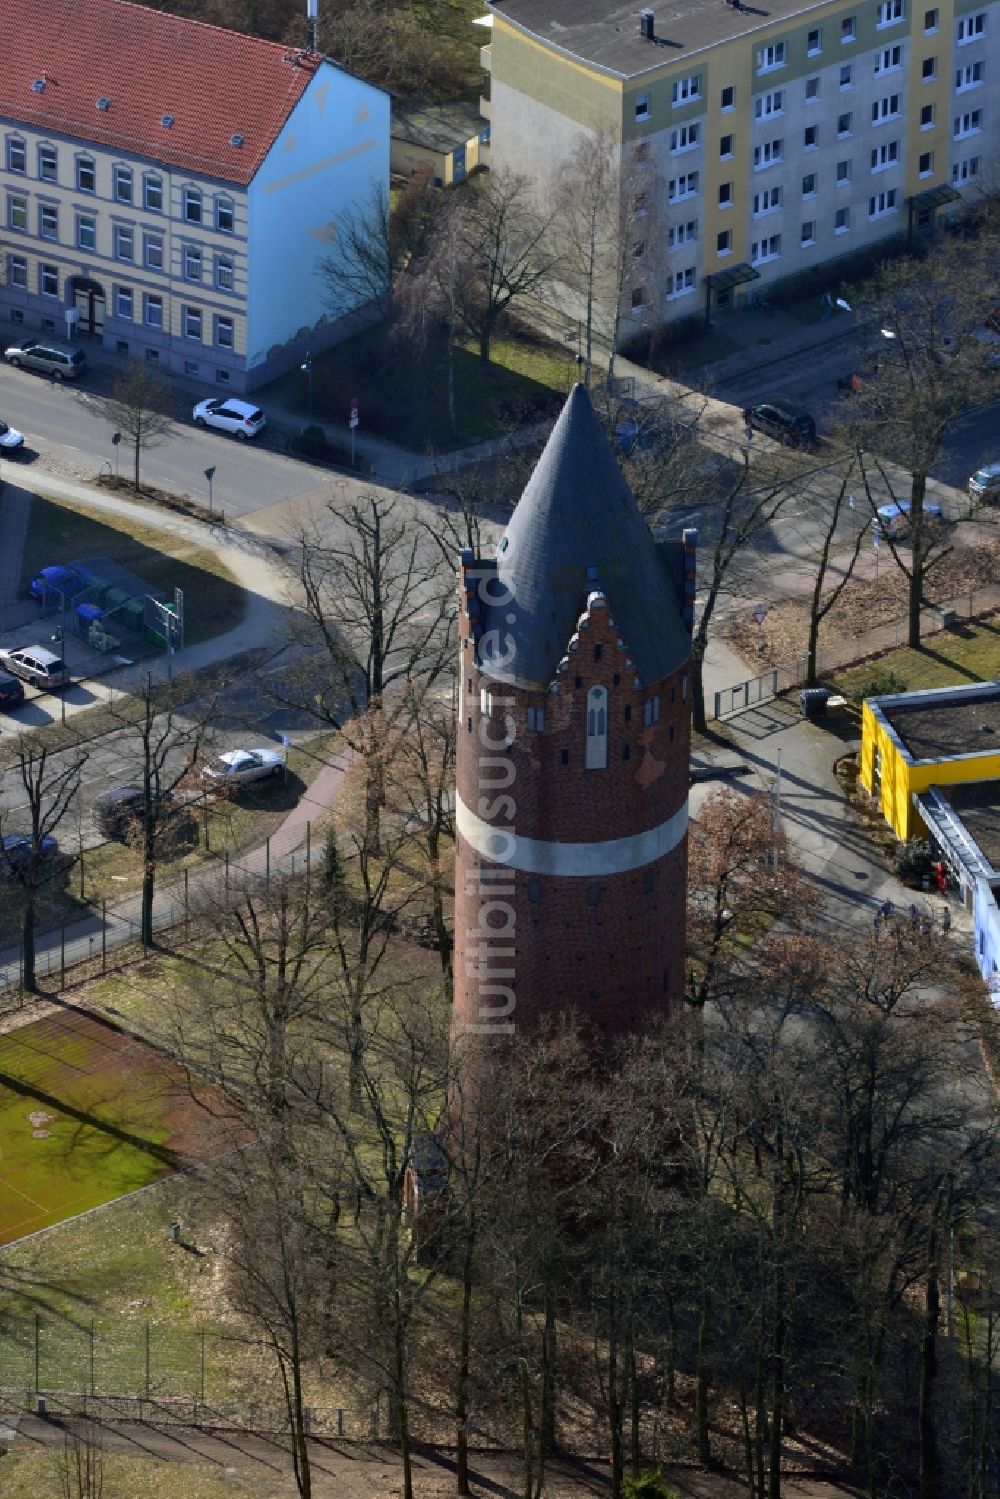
(307, 367)
(116, 438)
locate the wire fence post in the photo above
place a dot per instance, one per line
(93, 1334)
(201, 1387)
(227, 871)
(267, 863)
(62, 956)
(38, 1339)
(308, 852)
(187, 908)
(147, 1359)
(104, 936)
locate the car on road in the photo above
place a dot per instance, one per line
(779, 419)
(56, 580)
(239, 766)
(49, 356)
(17, 851)
(119, 806)
(894, 519)
(37, 665)
(239, 418)
(985, 482)
(10, 439)
(11, 692)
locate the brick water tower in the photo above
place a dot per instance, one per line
(572, 758)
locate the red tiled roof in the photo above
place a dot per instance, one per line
(214, 83)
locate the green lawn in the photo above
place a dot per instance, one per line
(404, 397)
(34, 1474)
(86, 1114)
(968, 654)
(61, 533)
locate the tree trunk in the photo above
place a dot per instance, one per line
(698, 720)
(137, 450)
(462, 1393)
(918, 491)
(702, 1379)
(929, 1467)
(548, 1411)
(28, 978)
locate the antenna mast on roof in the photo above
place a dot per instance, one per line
(312, 15)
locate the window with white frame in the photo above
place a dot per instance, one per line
(152, 193)
(765, 106)
(769, 154)
(651, 712)
(86, 174)
(812, 90)
(928, 70)
(887, 59)
(927, 117)
(814, 42)
(885, 156)
(810, 138)
(724, 242)
(889, 12)
(17, 154)
(885, 109)
(727, 98)
(224, 272)
(48, 280)
(642, 107)
(682, 234)
(725, 195)
(123, 242)
(766, 201)
(17, 212)
(224, 340)
(121, 184)
(686, 89)
(17, 272)
(926, 164)
(930, 20)
(685, 186)
(970, 76)
(842, 221)
(86, 231)
(725, 147)
(191, 205)
(883, 203)
(597, 729)
(48, 164)
(809, 232)
(843, 173)
(847, 75)
(124, 303)
(639, 297)
(970, 27)
(48, 221)
(191, 263)
(681, 282)
(771, 57)
(152, 310)
(848, 29)
(843, 125)
(964, 171)
(969, 123)
(684, 138)
(768, 248)
(225, 215)
(152, 251)
(809, 185)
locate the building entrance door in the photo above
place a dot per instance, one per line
(88, 297)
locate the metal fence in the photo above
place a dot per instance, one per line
(149, 1372)
(847, 650)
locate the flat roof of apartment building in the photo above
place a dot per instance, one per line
(977, 805)
(605, 33)
(940, 724)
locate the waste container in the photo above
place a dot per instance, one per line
(813, 701)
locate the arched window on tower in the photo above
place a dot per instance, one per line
(597, 728)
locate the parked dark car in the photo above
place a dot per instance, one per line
(788, 424)
(11, 692)
(17, 851)
(115, 809)
(56, 580)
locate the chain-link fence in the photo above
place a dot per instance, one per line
(149, 1372)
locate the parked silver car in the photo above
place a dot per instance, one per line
(49, 356)
(37, 665)
(239, 418)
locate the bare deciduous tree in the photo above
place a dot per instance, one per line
(139, 408)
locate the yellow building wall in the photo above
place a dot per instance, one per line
(901, 778)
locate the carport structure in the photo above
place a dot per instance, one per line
(108, 606)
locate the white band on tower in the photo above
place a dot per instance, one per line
(586, 860)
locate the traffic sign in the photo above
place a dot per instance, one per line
(355, 412)
(760, 613)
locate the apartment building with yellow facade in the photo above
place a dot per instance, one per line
(779, 135)
(167, 187)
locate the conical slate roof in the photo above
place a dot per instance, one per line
(577, 528)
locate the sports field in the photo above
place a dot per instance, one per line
(87, 1113)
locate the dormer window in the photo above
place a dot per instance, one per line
(597, 729)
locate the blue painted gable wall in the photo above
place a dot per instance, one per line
(986, 921)
(333, 145)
